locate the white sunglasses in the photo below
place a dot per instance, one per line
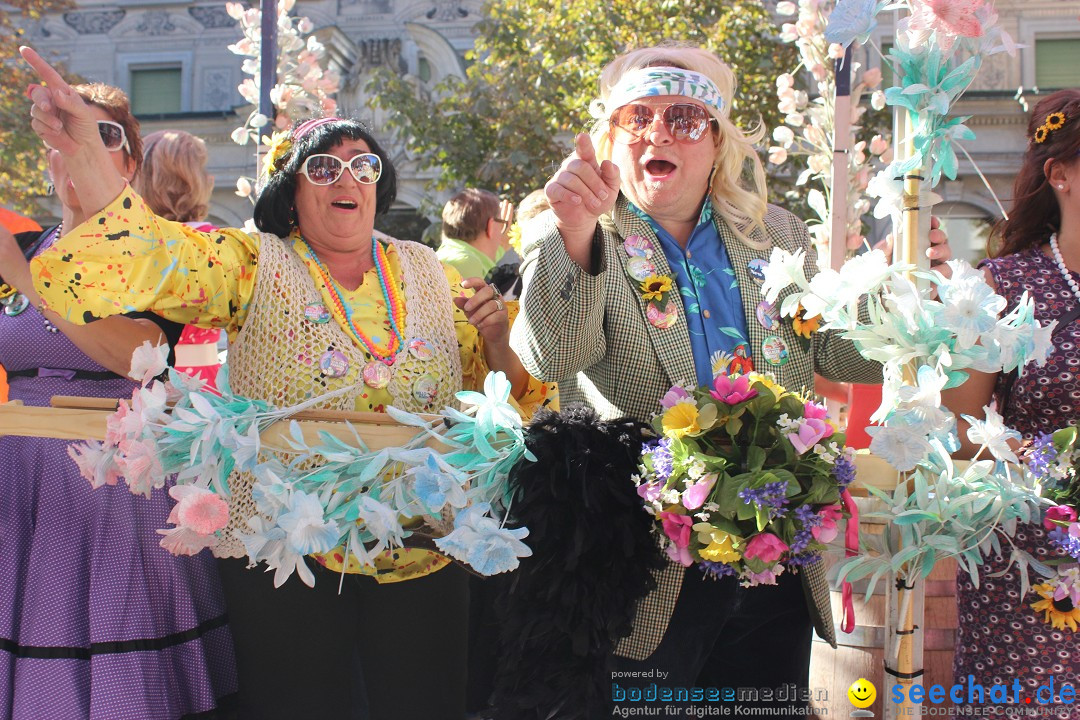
(324, 169)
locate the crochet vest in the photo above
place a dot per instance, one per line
(276, 354)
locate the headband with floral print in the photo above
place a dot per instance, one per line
(644, 82)
(1054, 121)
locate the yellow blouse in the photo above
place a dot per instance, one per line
(126, 259)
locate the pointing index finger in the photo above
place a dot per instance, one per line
(585, 150)
(44, 70)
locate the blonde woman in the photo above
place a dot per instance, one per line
(176, 186)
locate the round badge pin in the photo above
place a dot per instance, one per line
(774, 350)
(333, 363)
(425, 389)
(756, 267)
(377, 374)
(16, 305)
(768, 315)
(638, 246)
(420, 349)
(662, 318)
(640, 268)
(316, 312)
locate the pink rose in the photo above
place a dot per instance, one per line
(1061, 513)
(826, 532)
(677, 527)
(732, 392)
(674, 396)
(694, 496)
(811, 432)
(765, 547)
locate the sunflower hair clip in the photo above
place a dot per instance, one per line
(1054, 121)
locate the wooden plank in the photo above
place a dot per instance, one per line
(63, 423)
(73, 421)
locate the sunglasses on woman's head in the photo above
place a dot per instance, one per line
(327, 169)
(686, 122)
(113, 135)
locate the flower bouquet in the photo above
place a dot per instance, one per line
(1054, 461)
(745, 479)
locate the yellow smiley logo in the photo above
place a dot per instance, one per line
(862, 693)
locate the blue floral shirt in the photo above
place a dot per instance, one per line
(710, 293)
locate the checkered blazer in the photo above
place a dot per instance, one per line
(589, 333)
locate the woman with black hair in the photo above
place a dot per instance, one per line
(312, 303)
(1034, 251)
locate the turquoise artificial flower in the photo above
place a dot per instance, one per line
(307, 531)
(436, 486)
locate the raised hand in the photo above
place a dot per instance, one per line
(583, 189)
(59, 116)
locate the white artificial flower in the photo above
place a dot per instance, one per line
(993, 435)
(148, 361)
(900, 447)
(784, 269)
(307, 531)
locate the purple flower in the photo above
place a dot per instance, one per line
(844, 471)
(1068, 541)
(803, 559)
(1042, 456)
(772, 496)
(716, 570)
(661, 458)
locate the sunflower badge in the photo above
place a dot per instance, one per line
(277, 147)
(661, 310)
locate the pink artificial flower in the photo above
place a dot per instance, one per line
(814, 411)
(732, 392)
(1074, 530)
(765, 577)
(694, 496)
(649, 492)
(766, 547)
(95, 462)
(677, 528)
(948, 18)
(114, 425)
(1062, 513)
(826, 532)
(674, 396)
(198, 509)
(680, 555)
(185, 541)
(139, 464)
(811, 432)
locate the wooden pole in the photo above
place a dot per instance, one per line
(841, 162)
(267, 56)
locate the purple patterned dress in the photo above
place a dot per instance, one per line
(96, 619)
(1000, 638)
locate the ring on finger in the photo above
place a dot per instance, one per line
(499, 304)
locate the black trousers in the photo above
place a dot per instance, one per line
(726, 642)
(372, 652)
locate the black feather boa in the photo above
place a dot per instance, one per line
(565, 607)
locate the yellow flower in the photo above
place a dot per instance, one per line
(277, 147)
(1054, 121)
(654, 286)
(805, 326)
(681, 419)
(1059, 613)
(1040, 134)
(721, 547)
(768, 381)
(514, 236)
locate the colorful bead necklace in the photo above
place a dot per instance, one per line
(391, 295)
